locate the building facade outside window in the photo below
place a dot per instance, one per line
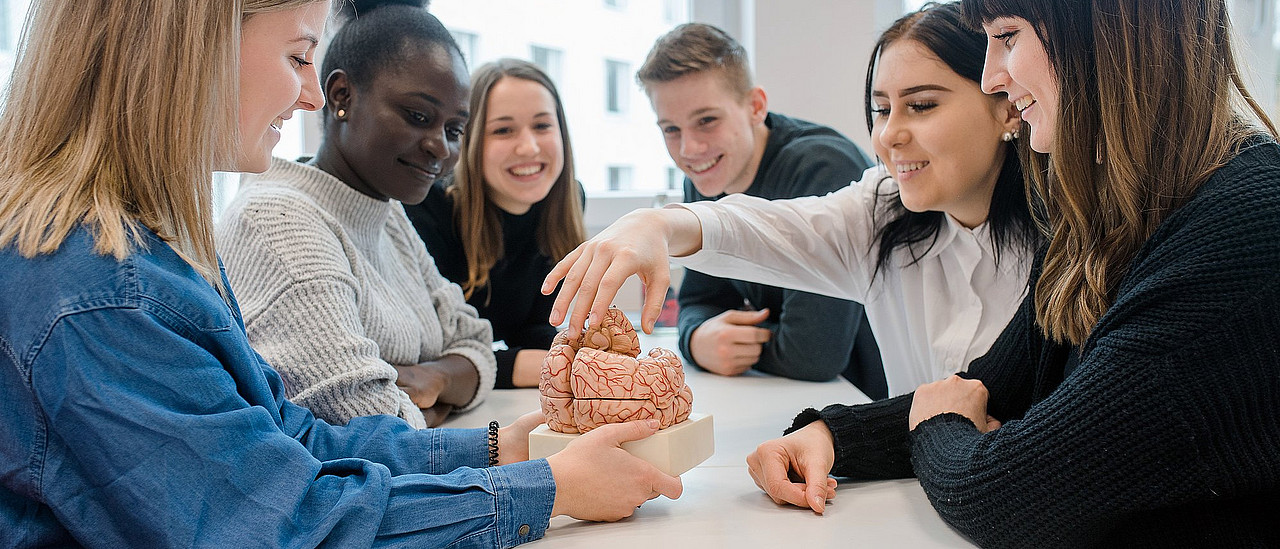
(617, 82)
(619, 178)
(469, 43)
(549, 60)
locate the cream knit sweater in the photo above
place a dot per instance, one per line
(335, 287)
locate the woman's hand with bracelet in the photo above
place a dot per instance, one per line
(513, 440)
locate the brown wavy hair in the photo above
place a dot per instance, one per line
(560, 229)
(1151, 104)
(117, 115)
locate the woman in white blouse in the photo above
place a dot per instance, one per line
(936, 240)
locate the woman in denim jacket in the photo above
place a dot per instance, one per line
(136, 413)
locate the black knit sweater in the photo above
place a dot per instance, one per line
(1164, 429)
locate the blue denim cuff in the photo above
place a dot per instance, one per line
(456, 448)
(526, 492)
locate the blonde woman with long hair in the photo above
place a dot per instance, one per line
(136, 412)
(512, 209)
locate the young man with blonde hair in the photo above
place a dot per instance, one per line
(719, 131)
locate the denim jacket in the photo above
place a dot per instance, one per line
(136, 414)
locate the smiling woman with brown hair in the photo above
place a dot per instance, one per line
(512, 209)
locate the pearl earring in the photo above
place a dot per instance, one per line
(1008, 136)
(342, 113)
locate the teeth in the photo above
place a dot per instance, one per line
(276, 125)
(911, 166)
(699, 168)
(527, 170)
(1023, 102)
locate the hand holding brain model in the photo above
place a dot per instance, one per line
(600, 378)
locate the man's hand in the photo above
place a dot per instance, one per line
(730, 343)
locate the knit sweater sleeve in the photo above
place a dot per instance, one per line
(299, 298)
(465, 333)
(872, 440)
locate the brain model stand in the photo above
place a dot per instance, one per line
(601, 378)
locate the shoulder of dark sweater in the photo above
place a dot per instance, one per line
(1210, 258)
(802, 158)
(794, 148)
(435, 211)
(433, 221)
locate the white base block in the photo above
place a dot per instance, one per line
(673, 450)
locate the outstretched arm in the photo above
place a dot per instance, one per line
(637, 243)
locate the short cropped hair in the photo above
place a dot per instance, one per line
(694, 48)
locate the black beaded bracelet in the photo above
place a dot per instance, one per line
(493, 443)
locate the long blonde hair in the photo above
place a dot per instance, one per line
(1151, 104)
(117, 115)
(561, 228)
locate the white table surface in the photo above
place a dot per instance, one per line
(721, 506)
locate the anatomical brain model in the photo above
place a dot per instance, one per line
(600, 378)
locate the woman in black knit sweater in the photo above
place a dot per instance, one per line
(1134, 399)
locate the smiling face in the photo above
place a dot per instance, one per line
(1018, 65)
(401, 131)
(277, 77)
(938, 134)
(523, 149)
(715, 136)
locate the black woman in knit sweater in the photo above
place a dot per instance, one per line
(511, 211)
(338, 292)
(1134, 399)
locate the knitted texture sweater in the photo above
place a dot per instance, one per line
(336, 287)
(1162, 429)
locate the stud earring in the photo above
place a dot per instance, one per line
(342, 113)
(1008, 136)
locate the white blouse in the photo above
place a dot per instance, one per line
(930, 318)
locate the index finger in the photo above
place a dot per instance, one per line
(562, 271)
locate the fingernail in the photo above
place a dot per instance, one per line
(652, 423)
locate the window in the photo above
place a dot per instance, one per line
(547, 59)
(469, 43)
(616, 4)
(617, 83)
(4, 26)
(675, 179)
(619, 178)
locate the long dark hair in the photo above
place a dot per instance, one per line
(1124, 157)
(940, 28)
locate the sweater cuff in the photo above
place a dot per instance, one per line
(871, 440)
